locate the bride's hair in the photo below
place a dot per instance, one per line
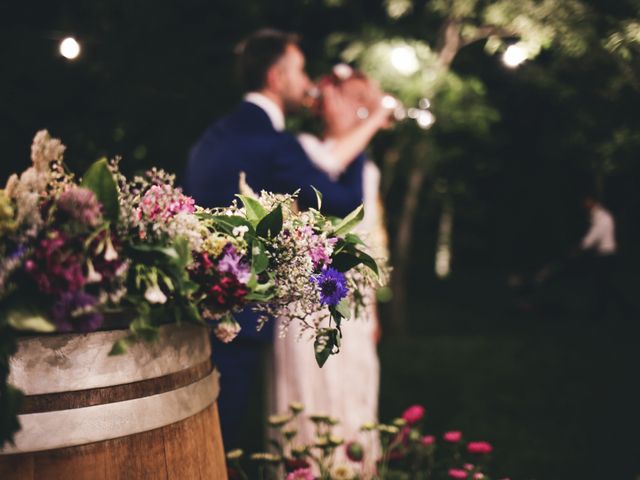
(258, 52)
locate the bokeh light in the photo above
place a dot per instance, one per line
(404, 60)
(69, 48)
(513, 56)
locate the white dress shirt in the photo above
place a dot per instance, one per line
(601, 236)
(275, 113)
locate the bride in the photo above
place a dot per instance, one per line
(346, 388)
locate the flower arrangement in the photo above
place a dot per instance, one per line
(406, 452)
(104, 251)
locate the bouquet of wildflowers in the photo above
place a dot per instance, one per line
(406, 453)
(304, 266)
(105, 251)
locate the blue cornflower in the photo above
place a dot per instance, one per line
(333, 286)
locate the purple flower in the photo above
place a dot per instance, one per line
(333, 286)
(80, 204)
(232, 262)
(76, 311)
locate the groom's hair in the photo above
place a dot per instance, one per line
(259, 52)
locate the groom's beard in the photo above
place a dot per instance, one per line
(291, 106)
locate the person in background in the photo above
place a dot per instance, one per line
(600, 242)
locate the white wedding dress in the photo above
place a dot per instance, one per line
(347, 387)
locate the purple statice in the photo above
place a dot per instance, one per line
(232, 262)
(75, 311)
(80, 204)
(56, 266)
(332, 285)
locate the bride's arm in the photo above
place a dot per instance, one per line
(347, 136)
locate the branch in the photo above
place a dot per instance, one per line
(449, 41)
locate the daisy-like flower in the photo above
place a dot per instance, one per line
(332, 285)
(342, 472)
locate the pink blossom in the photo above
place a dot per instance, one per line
(81, 205)
(301, 474)
(478, 476)
(413, 414)
(468, 466)
(428, 440)
(453, 436)
(479, 447)
(457, 473)
(163, 202)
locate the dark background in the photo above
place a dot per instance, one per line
(554, 392)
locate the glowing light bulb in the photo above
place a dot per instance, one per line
(514, 56)
(404, 60)
(69, 48)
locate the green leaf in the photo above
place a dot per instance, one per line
(29, 319)
(343, 262)
(353, 239)
(326, 344)
(322, 352)
(368, 261)
(350, 221)
(181, 246)
(229, 222)
(148, 248)
(344, 308)
(143, 329)
(318, 197)
(349, 258)
(255, 210)
(122, 345)
(100, 181)
(271, 224)
(259, 259)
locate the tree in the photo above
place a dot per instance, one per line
(425, 67)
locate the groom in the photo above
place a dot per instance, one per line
(252, 139)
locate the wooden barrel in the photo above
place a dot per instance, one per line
(148, 414)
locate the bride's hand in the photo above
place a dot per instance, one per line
(338, 111)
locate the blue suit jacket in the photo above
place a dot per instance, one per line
(274, 161)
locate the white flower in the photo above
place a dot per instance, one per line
(342, 472)
(239, 231)
(154, 294)
(92, 275)
(110, 252)
(227, 330)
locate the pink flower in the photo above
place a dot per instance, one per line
(457, 473)
(478, 476)
(468, 466)
(453, 436)
(301, 474)
(428, 440)
(479, 447)
(413, 414)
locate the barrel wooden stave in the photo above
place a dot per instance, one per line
(187, 447)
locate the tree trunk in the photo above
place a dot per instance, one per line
(403, 242)
(445, 237)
